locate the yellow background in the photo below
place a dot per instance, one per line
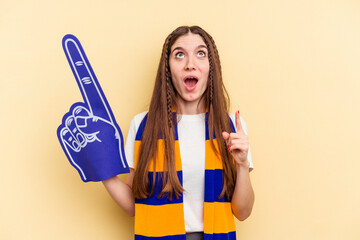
(292, 68)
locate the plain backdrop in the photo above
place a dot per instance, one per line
(291, 67)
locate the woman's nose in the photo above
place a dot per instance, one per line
(190, 64)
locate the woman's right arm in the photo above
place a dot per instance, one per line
(121, 192)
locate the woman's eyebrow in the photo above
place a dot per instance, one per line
(201, 46)
(181, 48)
(177, 48)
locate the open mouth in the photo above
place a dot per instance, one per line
(190, 82)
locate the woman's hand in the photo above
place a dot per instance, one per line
(238, 143)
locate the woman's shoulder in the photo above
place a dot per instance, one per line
(137, 119)
(140, 116)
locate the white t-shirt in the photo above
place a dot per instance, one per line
(191, 132)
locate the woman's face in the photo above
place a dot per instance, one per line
(189, 67)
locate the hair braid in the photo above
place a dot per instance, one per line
(216, 54)
(168, 82)
(211, 79)
(211, 71)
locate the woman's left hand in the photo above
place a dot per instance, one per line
(238, 143)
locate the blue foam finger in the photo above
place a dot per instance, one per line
(100, 155)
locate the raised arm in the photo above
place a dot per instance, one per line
(243, 197)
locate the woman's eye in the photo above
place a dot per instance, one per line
(179, 55)
(201, 54)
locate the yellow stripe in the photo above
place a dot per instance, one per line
(159, 220)
(218, 218)
(159, 156)
(213, 160)
(137, 152)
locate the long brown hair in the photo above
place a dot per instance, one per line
(160, 121)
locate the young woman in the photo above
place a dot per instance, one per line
(189, 158)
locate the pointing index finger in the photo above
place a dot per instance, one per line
(239, 128)
(86, 79)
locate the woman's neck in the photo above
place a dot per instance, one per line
(190, 108)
